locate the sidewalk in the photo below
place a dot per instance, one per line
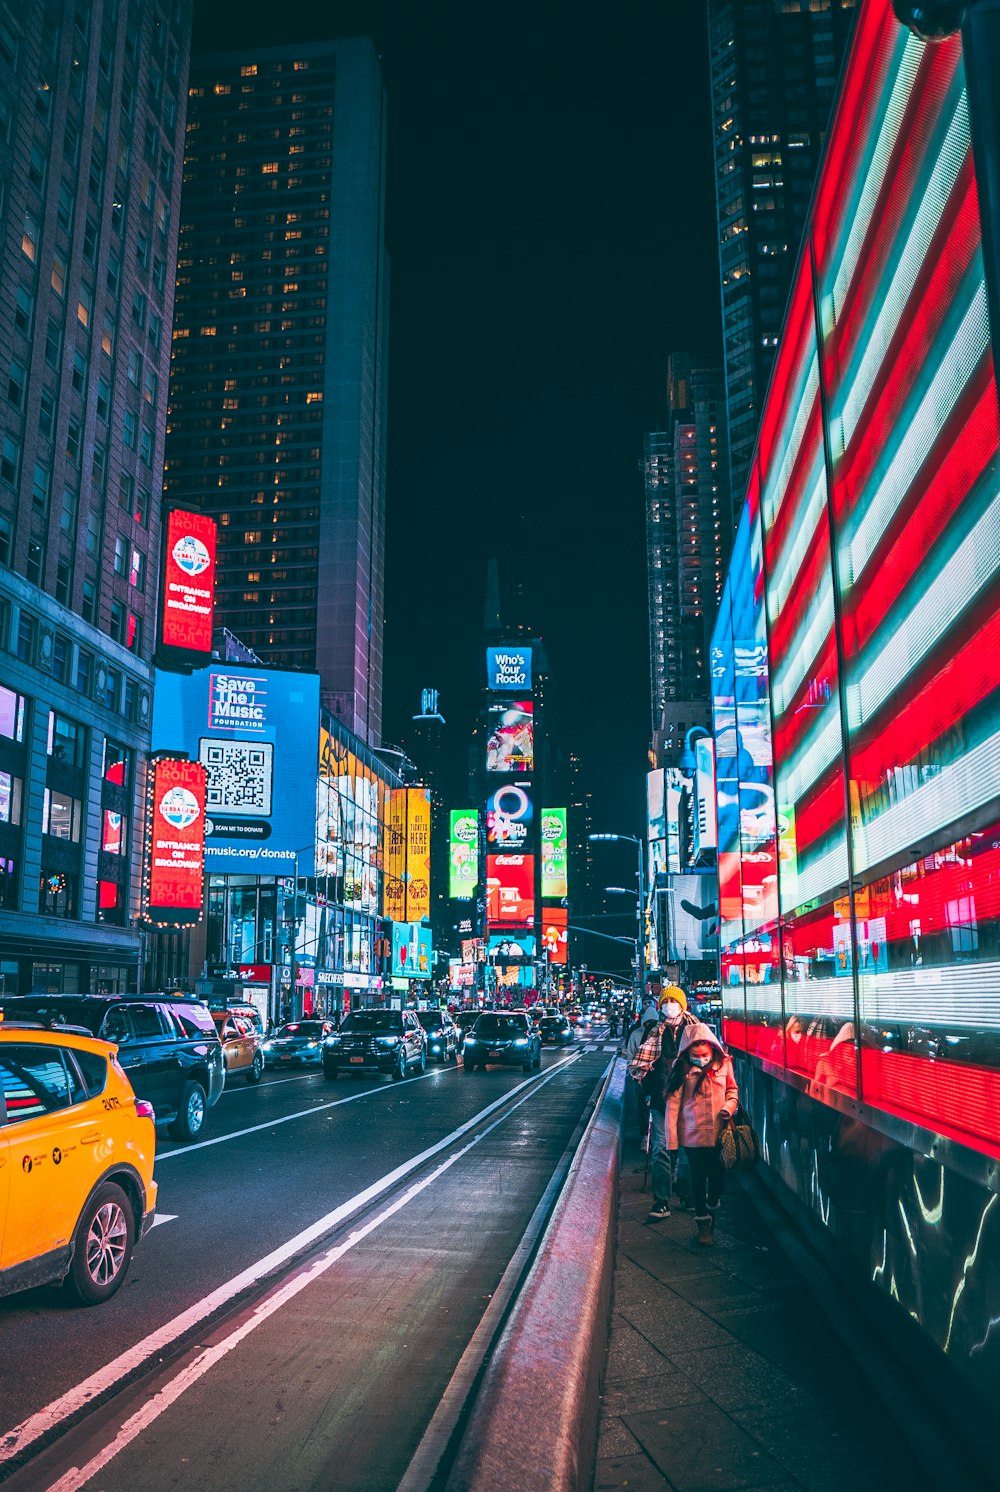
(724, 1373)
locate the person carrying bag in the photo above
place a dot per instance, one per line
(702, 1098)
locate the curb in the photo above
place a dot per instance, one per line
(534, 1424)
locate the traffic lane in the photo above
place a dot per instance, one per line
(336, 1387)
(232, 1203)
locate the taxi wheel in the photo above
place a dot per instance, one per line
(102, 1246)
(191, 1113)
(257, 1070)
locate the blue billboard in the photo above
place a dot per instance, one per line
(256, 732)
(412, 954)
(508, 668)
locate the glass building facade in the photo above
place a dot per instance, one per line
(856, 692)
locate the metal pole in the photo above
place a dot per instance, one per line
(640, 961)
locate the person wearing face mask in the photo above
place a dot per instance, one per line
(649, 1067)
(701, 1097)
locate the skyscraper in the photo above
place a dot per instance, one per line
(277, 394)
(687, 542)
(774, 68)
(91, 128)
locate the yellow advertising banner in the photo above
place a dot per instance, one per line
(394, 855)
(418, 853)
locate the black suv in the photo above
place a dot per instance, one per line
(390, 1041)
(167, 1044)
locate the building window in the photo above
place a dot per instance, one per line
(57, 894)
(64, 580)
(137, 570)
(88, 610)
(66, 740)
(84, 665)
(6, 539)
(112, 688)
(146, 446)
(35, 568)
(16, 379)
(40, 488)
(134, 371)
(121, 550)
(29, 237)
(8, 885)
(133, 637)
(119, 621)
(10, 799)
(143, 498)
(61, 648)
(53, 343)
(79, 371)
(117, 763)
(10, 460)
(61, 816)
(27, 632)
(130, 429)
(24, 311)
(11, 714)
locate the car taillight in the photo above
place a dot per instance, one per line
(144, 1110)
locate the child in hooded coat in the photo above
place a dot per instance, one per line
(701, 1097)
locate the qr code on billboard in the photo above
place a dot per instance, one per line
(239, 776)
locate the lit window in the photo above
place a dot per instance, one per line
(267, 169)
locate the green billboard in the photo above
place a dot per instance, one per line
(555, 853)
(463, 853)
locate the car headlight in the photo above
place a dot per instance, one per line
(269, 1046)
(470, 1040)
(387, 1040)
(312, 1045)
(521, 1041)
(333, 1041)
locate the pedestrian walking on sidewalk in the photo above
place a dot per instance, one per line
(650, 1067)
(701, 1097)
(633, 1039)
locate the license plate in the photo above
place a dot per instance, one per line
(284, 1059)
(357, 1059)
(496, 1054)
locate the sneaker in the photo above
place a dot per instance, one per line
(657, 1211)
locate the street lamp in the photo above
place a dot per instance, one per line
(640, 967)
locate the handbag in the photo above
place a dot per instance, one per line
(739, 1146)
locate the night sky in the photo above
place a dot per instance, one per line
(551, 233)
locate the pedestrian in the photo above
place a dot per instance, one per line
(650, 1067)
(701, 1097)
(632, 1040)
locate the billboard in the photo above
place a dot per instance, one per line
(418, 853)
(175, 865)
(510, 889)
(555, 933)
(509, 815)
(255, 732)
(188, 604)
(508, 670)
(510, 745)
(692, 916)
(463, 853)
(555, 852)
(394, 856)
(412, 954)
(513, 960)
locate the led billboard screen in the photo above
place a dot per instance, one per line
(510, 743)
(555, 933)
(412, 953)
(175, 869)
(418, 853)
(510, 889)
(555, 853)
(188, 604)
(513, 960)
(463, 854)
(508, 670)
(255, 732)
(509, 815)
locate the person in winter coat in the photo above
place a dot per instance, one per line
(631, 1042)
(701, 1097)
(649, 1067)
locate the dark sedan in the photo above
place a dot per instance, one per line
(503, 1041)
(297, 1043)
(442, 1035)
(557, 1029)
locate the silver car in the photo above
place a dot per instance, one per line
(297, 1043)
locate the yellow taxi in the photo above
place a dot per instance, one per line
(242, 1043)
(76, 1163)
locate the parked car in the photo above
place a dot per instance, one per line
(442, 1034)
(297, 1043)
(242, 1045)
(76, 1155)
(387, 1041)
(167, 1045)
(557, 1029)
(465, 1020)
(505, 1040)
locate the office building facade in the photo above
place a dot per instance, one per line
(92, 103)
(774, 67)
(277, 395)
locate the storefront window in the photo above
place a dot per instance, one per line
(57, 893)
(66, 740)
(61, 815)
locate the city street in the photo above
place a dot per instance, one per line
(320, 1262)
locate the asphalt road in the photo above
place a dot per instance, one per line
(325, 1255)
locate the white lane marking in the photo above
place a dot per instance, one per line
(78, 1477)
(260, 1087)
(163, 1217)
(317, 1108)
(14, 1441)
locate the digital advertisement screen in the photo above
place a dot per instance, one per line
(555, 853)
(520, 951)
(509, 815)
(510, 889)
(508, 670)
(463, 854)
(176, 843)
(188, 603)
(255, 732)
(510, 743)
(418, 853)
(554, 933)
(412, 953)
